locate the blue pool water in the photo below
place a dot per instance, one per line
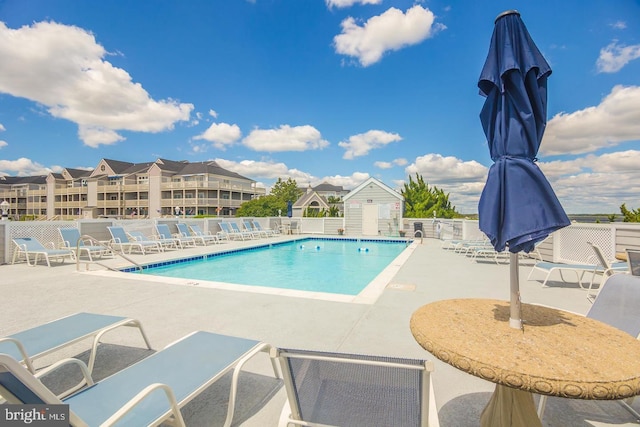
(320, 265)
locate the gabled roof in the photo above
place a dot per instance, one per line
(14, 180)
(307, 198)
(377, 182)
(326, 187)
(77, 173)
(118, 167)
(183, 167)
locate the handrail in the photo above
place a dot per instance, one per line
(95, 242)
(415, 233)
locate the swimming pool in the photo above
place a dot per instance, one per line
(316, 265)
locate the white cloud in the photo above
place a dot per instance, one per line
(285, 138)
(614, 57)
(26, 167)
(2, 128)
(213, 113)
(391, 164)
(347, 182)
(348, 3)
(615, 120)
(3, 143)
(435, 168)
(360, 144)
(393, 30)
(619, 25)
(62, 68)
(222, 135)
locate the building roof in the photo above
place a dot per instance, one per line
(326, 187)
(13, 180)
(307, 198)
(77, 173)
(377, 182)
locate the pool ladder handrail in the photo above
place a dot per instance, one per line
(415, 234)
(107, 247)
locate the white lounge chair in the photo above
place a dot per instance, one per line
(229, 232)
(165, 233)
(139, 236)
(148, 392)
(244, 233)
(71, 239)
(120, 241)
(548, 268)
(42, 340)
(248, 226)
(608, 269)
(338, 389)
(183, 229)
(27, 246)
(616, 305)
(198, 232)
(269, 231)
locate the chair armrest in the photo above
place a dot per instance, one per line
(143, 394)
(87, 379)
(51, 245)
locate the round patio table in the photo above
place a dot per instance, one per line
(557, 353)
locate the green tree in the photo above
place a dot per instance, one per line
(274, 203)
(611, 218)
(421, 201)
(632, 215)
(286, 191)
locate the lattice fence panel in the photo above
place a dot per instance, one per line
(146, 226)
(573, 247)
(44, 231)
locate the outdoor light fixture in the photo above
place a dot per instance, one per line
(5, 209)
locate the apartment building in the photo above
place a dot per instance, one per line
(122, 189)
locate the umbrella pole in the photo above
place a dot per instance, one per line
(515, 318)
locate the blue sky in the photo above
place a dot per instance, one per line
(335, 90)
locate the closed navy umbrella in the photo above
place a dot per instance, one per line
(518, 207)
(289, 209)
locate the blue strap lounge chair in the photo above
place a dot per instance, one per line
(27, 247)
(148, 392)
(165, 233)
(121, 241)
(226, 229)
(269, 231)
(244, 233)
(338, 389)
(139, 236)
(183, 229)
(42, 340)
(197, 231)
(71, 239)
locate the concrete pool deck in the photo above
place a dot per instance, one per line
(34, 295)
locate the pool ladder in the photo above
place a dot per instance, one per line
(107, 248)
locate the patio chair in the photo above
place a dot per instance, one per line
(27, 246)
(548, 268)
(120, 241)
(244, 233)
(198, 232)
(633, 257)
(42, 340)
(148, 392)
(139, 236)
(607, 268)
(71, 239)
(337, 389)
(248, 226)
(182, 241)
(230, 234)
(269, 231)
(616, 305)
(183, 229)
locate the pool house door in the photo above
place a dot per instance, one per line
(370, 219)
